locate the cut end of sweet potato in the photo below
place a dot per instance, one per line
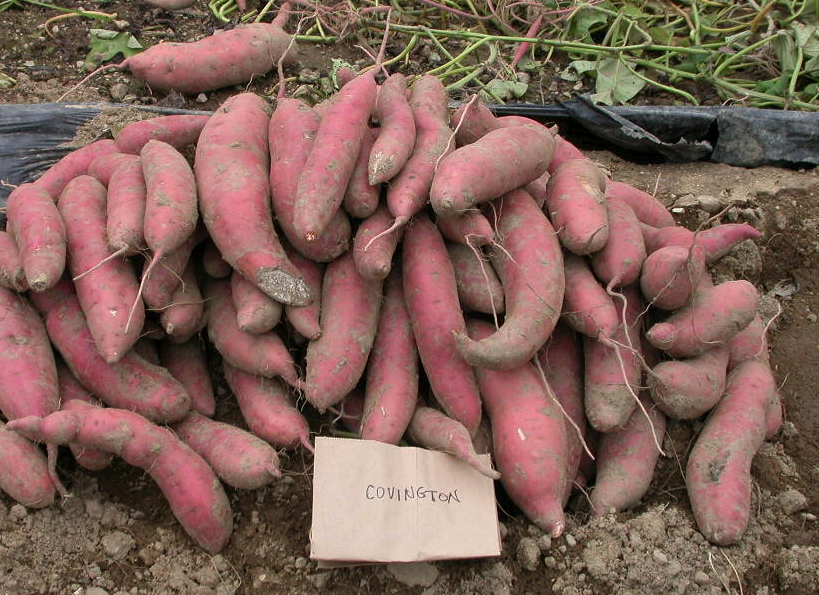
(284, 287)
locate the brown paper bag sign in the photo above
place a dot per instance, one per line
(374, 502)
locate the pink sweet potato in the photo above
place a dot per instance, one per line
(239, 458)
(529, 439)
(564, 151)
(471, 228)
(686, 389)
(647, 209)
(24, 471)
(188, 363)
(39, 233)
(351, 409)
(103, 167)
(110, 292)
(670, 274)
(391, 389)
(234, 197)
(749, 343)
(431, 296)
(72, 165)
(263, 354)
(715, 241)
(125, 208)
(215, 266)
(530, 267)
(349, 317)
(373, 257)
(396, 136)
(472, 121)
(626, 459)
(11, 267)
(177, 130)
(361, 198)
(479, 289)
(305, 319)
(576, 206)
(715, 315)
(159, 288)
(195, 495)
(587, 308)
(433, 430)
(718, 473)
(268, 409)
(619, 262)
(182, 318)
(73, 397)
(255, 312)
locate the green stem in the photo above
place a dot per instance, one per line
(734, 57)
(772, 99)
(476, 72)
(405, 52)
(81, 13)
(797, 70)
(265, 10)
(660, 85)
(437, 43)
(460, 57)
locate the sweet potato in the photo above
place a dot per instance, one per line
(433, 430)
(213, 263)
(255, 312)
(351, 409)
(182, 318)
(239, 458)
(718, 473)
(391, 389)
(195, 495)
(587, 308)
(749, 343)
(626, 459)
(564, 151)
(187, 362)
(646, 208)
(716, 241)
(177, 130)
(125, 208)
(268, 409)
(11, 267)
(159, 288)
(619, 262)
(24, 471)
(361, 197)
(479, 289)
(715, 315)
(72, 165)
(39, 234)
(103, 167)
(529, 439)
(263, 354)
(305, 319)
(349, 317)
(530, 267)
(686, 389)
(431, 296)
(470, 229)
(670, 274)
(373, 257)
(231, 170)
(74, 397)
(396, 136)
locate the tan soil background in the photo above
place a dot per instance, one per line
(116, 535)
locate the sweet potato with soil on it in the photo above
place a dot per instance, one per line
(479, 289)
(232, 175)
(103, 167)
(619, 262)
(193, 491)
(749, 343)
(256, 313)
(24, 471)
(349, 316)
(305, 319)
(74, 397)
(125, 208)
(431, 297)
(184, 315)
(177, 130)
(530, 267)
(670, 275)
(718, 474)
(188, 363)
(470, 229)
(648, 209)
(686, 389)
(587, 307)
(361, 197)
(215, 266)
(11, 267)
(268, 409)
(159, 288)
(529, 439)
(373, 259)
(396, 136)
(72, 165)
(716, 241)
(239, 458)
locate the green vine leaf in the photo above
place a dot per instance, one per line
(615, 82)
(105, 45)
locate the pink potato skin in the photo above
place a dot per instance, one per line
(158, 290)
(24, 471)
(626, 459)
(187, 362)
(374, 262)
(562, 363)
(132, 383)
(125, 207)
(215, 266)
(391, 388)
(39, 233)
(184, 315)
(530, 268)
(306, 319)
(479, 289)
(292, 134)
(268, 409)
(11, 267)
(263, 354)
(529, 439)
(497, 163)
(564, 151)
(103, 167)
(647, 209)
(587, 308)
(715, 315)
(349, 317)
(749, 343)
(610, 390)
(73, 397)
(72, 165)
(28, 373)
(232, 167)
(220, 60)
(255, 312)
(471, 228)
(332, 159)
(108, 294)
(716, 242)
(193, 491)
(351, 408)
(576, 206)
(396, 137)
(619, 262)
(686, 389)
(718, 473)
(670, 274)
(431, 297)
(239, 458)
(433, 430)
(177, 130)
(361, 198)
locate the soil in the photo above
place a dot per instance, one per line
(116, 535)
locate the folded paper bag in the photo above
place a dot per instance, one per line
(374, 503)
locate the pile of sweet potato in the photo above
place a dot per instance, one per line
(469, 283)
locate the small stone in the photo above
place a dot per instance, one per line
(789, 430)
(95, 591)
(659, 557)
(809, 517)
(550, 561)
(320, 580)
(811, 317)
(201, 98)
(570, 540)
(414, 574)
(309, 76)
(300, 562)
(792, 501)
(678, 210)
(117, 544)
(119, 91)
(206, 575)
(18, 512)
(709, 204)
(674, 568)
(687, 200)
(503, 531)
(544, 543)
(701, 578)
(528, 554)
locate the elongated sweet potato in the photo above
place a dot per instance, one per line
(72, 165)
(470, 229)
(396, 136)
(255, 312)
(361, 197)
(479, 289)
(647, 208)
(619, 262)
(686, 389)
(715, 241)
(187, 362)
(11, 267)
(24, 470)
(184, 315)
(177, 130)
(74, 397)
(587, 308)
(103, 167)
(306, 319)
(373, 258)
(670, 275)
